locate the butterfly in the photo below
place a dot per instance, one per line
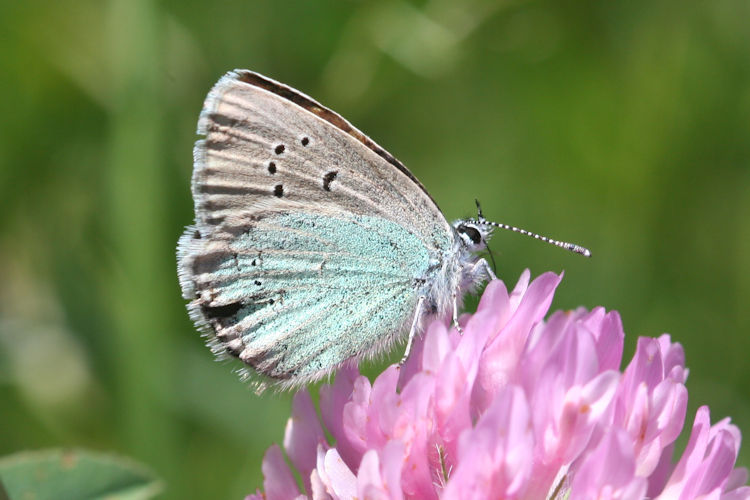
(313, 246)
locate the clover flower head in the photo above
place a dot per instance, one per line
(516, 407)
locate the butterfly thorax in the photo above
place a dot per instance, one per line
(462, 270)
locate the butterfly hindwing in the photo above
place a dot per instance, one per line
(297, 294)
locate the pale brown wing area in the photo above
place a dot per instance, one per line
(268, 146)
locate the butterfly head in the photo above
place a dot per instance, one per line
(474, 233)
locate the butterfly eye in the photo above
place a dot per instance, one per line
(473, 233)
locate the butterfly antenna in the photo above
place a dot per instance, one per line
(492, 257)
(562, 244)
(489, 250)
(479, 210)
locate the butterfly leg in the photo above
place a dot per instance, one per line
(455, 315)
(487, 269)
(480, 266)
(413, 331)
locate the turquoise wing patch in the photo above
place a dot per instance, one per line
(296, 294)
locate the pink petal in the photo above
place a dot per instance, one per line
(669, 402)
(737, 479)
(667, 408)
(319, 491)
(581, 411)
(369, 482)
(646, 366)
(391, 467)
(719, 462)
(452, 398)
(610, 337)
(496, 301)
(513, 444)
(738, 494)
(360, 429)
(341, 481)
(416, 425)
(661, 472)
(471, 484)
(382, 416)
(609, 471)
(501, 356)
(519, 290)
(579, 360)
(495, 458)
(416, 360)
(706, 465)
(436, 347)
(673, 358)
(692, 455)
(278, 482)
(303, 435)
(332, 401)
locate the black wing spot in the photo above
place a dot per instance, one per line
(224, 311)
(305, 141)
(196, 235)
(328, 179)
(278, 190)
(279, 149)
(257, 282)
(271, 168)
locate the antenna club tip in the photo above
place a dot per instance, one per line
(583, 251)
(579, 250)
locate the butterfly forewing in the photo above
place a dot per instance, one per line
(261, 147)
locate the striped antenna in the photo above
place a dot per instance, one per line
(562, 244)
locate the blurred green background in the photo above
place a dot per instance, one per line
(620, 125)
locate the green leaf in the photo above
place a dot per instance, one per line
(74, 475)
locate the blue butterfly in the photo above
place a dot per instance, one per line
(312, 245)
